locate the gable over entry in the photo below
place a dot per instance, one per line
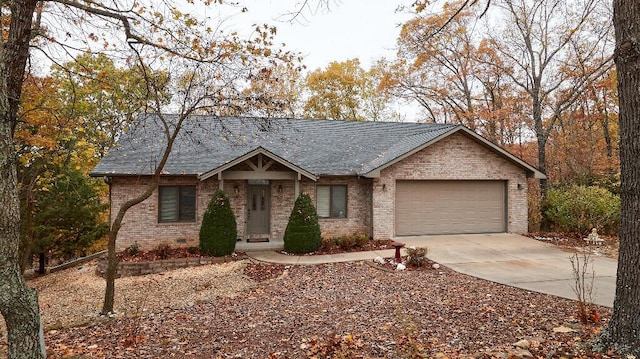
(259, 164)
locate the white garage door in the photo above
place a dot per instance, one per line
(450, 207)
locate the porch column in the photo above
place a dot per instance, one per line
(296, 186)
(220, 181)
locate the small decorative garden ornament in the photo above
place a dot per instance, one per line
(594, 238)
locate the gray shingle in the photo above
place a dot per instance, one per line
(322, 147)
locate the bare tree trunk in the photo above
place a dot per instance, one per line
(603, 111)
(27, 241)
(604, 122)
(623, 331)
(109, 294)
(42, 263)
(18, 302)
(112, 267)
(542, 137)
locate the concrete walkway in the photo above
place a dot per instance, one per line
(275, 257)
(503, 258)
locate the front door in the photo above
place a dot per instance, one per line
(258, 205)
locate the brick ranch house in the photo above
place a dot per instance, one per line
(379, 178)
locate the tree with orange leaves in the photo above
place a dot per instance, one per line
(207, 67)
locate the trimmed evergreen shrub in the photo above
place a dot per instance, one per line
(580, 208)
(303, 231)
(218, 231)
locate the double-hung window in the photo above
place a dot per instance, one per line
(177, 204)
(331, 201)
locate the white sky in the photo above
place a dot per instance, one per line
(366, 29)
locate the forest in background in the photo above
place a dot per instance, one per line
(541, 84)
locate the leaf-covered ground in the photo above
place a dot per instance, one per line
(347, 310)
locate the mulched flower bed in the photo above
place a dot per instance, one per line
(575, 241)
(333, 248)
(390, 264)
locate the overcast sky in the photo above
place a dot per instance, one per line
(366, 29)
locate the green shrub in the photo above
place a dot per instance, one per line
(218, 231)
(346, 242)
(163, 250)
(356, 240)
(360, 239)
(580, 208)
(133, 249)
(303, 231)
(416, 257)
(329, 243)
(193, 250)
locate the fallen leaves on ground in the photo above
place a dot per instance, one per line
(347, 310)
(261, 272)
(74, 296)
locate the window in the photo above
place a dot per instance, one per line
(177, 204)
(332, 201)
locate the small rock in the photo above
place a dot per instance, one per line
(497, 355)
(536, 341)
(520, 353)
(435, 266)
(563, 329)
(379, 260)
(523, 344)
(401, 266)
(573, 325)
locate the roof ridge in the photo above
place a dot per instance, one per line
(324, 147)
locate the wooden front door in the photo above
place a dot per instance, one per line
(258, 210)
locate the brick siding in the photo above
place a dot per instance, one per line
(358, 219)
(140, 225)
(456, 157)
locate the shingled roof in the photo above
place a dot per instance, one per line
(318, 147)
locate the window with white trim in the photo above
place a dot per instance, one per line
(331, 201)
(177, 204)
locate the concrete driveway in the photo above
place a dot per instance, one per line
(517, 261)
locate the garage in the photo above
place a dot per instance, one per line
(450, 207)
